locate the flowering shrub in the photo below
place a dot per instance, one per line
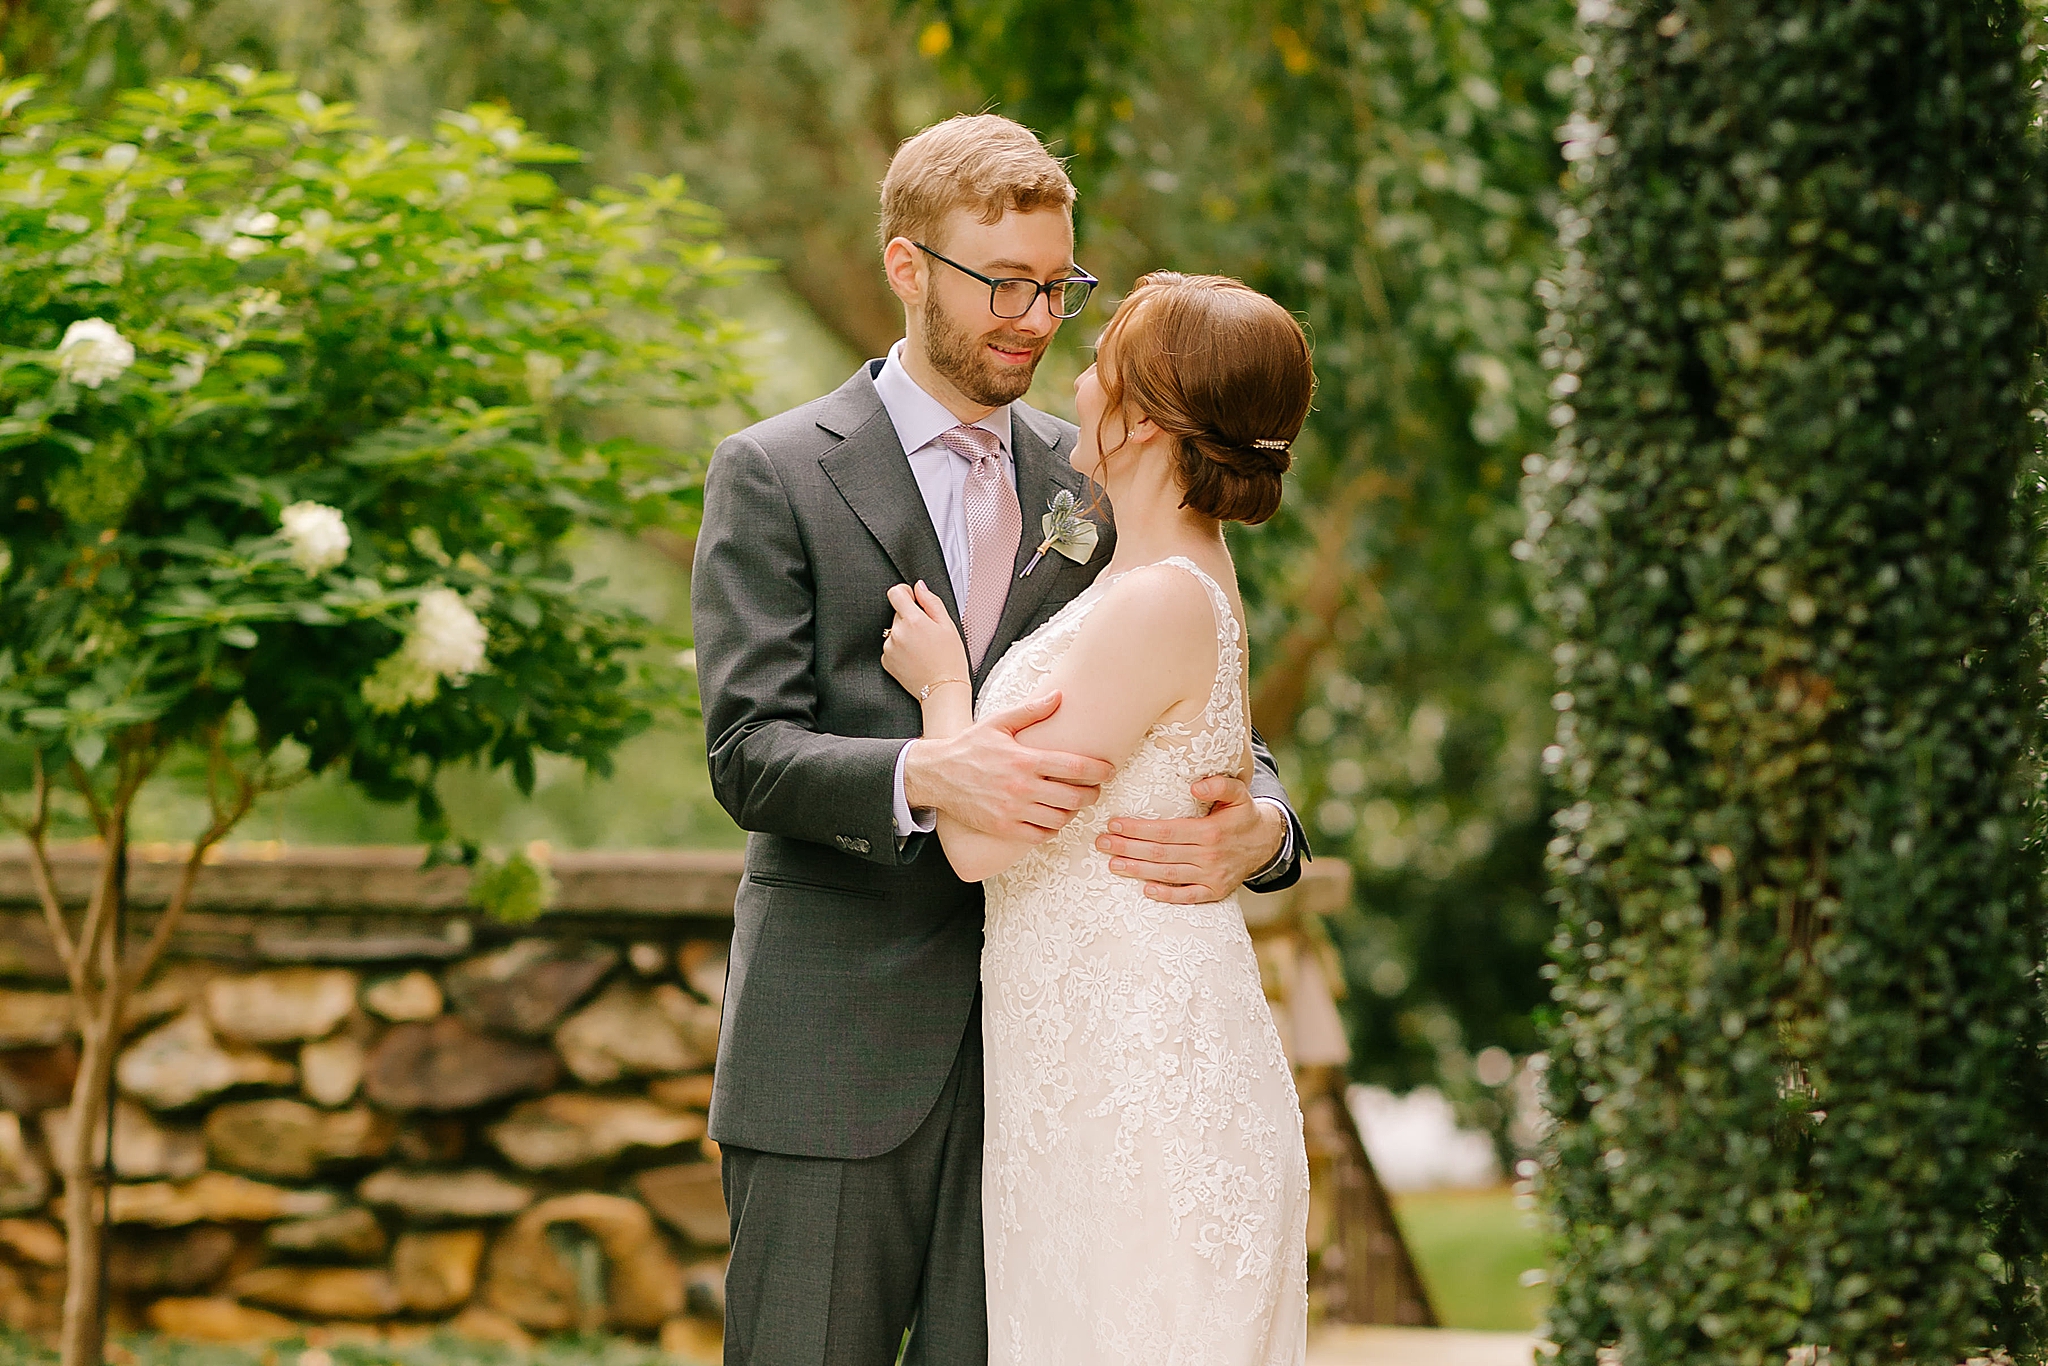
(296, 422)
(1797, 1070)
(297, 417)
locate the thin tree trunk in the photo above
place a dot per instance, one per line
(678, 550)
(83, 1339)
(84, 1332)
(100, 1006)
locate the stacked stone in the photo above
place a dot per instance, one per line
(508, 1145)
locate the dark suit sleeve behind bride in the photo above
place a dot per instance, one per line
(1266, 783)
(752, 608)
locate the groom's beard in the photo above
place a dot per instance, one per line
(965, 362)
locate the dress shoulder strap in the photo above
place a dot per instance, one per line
(1226, 619)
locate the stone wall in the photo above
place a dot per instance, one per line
(348, 1099)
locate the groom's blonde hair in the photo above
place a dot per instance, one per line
(982, 162)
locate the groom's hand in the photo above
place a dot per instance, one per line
(1199, 858)
(986, 780)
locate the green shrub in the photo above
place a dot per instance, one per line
(296, 425)
(1797, 1079)
(420, 334)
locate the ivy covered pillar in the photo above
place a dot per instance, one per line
(1787, 538)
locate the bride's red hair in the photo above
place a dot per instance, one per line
(1223, 370)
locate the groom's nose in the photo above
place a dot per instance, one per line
(1039, 322)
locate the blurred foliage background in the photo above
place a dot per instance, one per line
(1386, 169)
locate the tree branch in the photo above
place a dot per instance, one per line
(83, 782)
(174, 909)
(227, 814)
(1282, 686)
(37, 832)
(133, 765)
(98, 925)
(677, 549)
(225, 818)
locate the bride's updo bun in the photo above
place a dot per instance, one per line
(1223, 370)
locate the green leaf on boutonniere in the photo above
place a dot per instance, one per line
(1066, 531)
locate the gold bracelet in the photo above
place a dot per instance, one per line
(924, 694)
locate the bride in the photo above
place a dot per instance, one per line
(1144, 1184)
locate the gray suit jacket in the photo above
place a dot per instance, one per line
(855, 964)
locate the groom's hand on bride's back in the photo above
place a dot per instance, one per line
(1198, 859)
(986, 780)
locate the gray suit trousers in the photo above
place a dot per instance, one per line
(834, 1259)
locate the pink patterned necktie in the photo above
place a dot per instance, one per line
(994, 524)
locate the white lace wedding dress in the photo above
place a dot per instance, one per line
(1145, 1188)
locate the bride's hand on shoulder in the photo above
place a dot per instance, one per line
(922, 646)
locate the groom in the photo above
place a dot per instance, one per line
(848, 1101)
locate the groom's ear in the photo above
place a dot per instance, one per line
(904, 266)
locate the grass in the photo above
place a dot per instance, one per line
(1472, 1248)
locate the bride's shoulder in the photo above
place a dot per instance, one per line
(1147, 650)
(1156, 607)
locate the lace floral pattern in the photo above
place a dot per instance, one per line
(1145, 1188)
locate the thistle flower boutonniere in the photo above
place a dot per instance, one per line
(1066, 531)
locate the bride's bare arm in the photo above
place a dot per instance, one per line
(1145, 651)
(977, 773)
(922, 650)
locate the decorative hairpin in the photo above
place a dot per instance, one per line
(1265, 443)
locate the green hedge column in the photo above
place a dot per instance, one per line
(1797, 1084)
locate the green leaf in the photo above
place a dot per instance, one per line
(515, 889)
(89, 749)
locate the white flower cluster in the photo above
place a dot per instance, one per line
(317, 534)
(446, 636)
(445, 641)
(241, 235)
(93, 351)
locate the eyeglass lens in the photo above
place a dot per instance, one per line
(1014, 298)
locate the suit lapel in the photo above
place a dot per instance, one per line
(873, 475)
(1042, 471)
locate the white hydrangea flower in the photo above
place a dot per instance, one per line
(446, 636)
(93, 351)
(445, 641)
(318, 536)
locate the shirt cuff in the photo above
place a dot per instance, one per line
(1273, 865)
(924, 820)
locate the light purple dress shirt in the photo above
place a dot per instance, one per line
(941, 477)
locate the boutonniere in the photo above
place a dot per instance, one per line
(1066, 531)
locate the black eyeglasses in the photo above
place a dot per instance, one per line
(1009, 298)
